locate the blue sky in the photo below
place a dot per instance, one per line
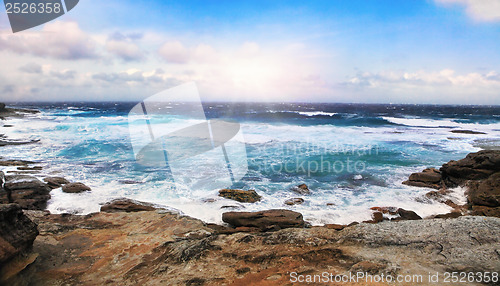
(441, 51)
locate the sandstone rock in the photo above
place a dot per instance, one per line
(17, 231)
(249, 196)
(264, 219)
(55, 182)
(406, 215)
(301, 189)
(428, 178)
(453, 214)
(485, 211)
(126, 205)
(27, 191)
(335, 226)
(485, 192)
(75, 188)
(294, 201)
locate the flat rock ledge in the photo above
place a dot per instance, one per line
(163, 248)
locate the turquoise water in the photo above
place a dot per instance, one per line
(351, 156)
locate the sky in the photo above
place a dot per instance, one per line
(424, 52)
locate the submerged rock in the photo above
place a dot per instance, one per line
(17, 232)
(249, 196)
(302, 189)
(264, 220)
(294, 201)
(75, 188)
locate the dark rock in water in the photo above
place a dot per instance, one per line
(475, 166)
(302, 189)
(386, 210)
(406, 215)
(126, 205)
(17, 232)
(75, 188)
(249, 196)
(15, 163)
(485, 192)
(428, 178)
(2, 106)
(466, 132)
(265, 220)
(27, 191)
(130, 182)
(55, 182)
(294, 201)
(35, 168)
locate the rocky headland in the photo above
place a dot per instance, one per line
(130, 242)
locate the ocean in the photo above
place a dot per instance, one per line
(351, 156)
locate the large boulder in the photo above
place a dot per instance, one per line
(475, 166)
(126, 205)
(27, 191)
(17, 231)
(249, 196)
(73, 188)
(265, 220)
(485, 192)
(2, 106)
(428, 178)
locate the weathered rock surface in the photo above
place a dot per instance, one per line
(126, 205)
(17, 232)
(249, 196)
(161, 248)
(27, 191)
(74, 188)
(265, 220)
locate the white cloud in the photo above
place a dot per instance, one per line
(124, 47)
(60, 40)
(174, 52)
(479, 10)
(444, 86)
(33, 68)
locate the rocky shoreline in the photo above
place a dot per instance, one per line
(131, 242)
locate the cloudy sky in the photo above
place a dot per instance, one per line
(434, 51)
